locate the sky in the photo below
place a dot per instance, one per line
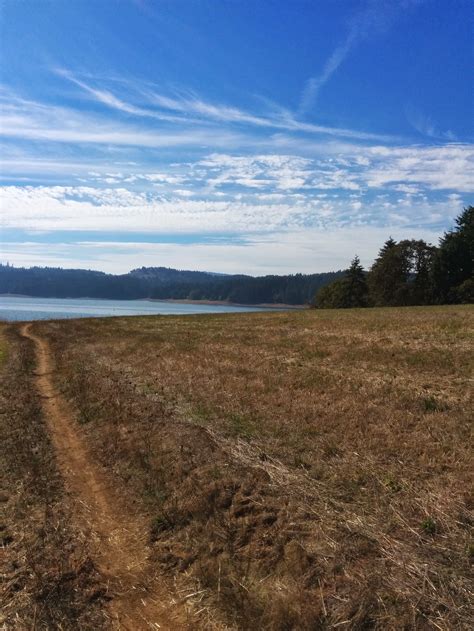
(238, 136)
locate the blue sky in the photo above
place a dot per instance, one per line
(231, 135)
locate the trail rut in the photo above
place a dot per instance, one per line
(140, 599)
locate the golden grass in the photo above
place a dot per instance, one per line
(304, 470)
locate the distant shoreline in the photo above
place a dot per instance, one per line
(184, 301)
(226, 303)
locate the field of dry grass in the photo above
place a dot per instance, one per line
(47, 577)
(304, 470)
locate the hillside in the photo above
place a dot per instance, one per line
(162, 283)
(345, 505)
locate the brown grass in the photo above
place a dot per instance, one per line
(48, 580)
(304, 470)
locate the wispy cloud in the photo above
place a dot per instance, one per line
(314, 84)
(192, 104)
(31, 120)
(374, 18)
(426, 126)
(111, 100)
(189, 108)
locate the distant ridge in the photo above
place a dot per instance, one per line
(164, 274)
(162, 283)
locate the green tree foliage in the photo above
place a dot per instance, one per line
(402, 274)
(357, 291)
(387, 275)
(453, 267)
(331, 296)
(420, 290)
(465, 292)
(347, 292)
(411, 272)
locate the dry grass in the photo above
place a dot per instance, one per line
(304, 470)
(48, 580)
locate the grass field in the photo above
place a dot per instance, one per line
(304, 470)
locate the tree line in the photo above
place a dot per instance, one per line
(162, 283)
(410, 272)
(295, 289)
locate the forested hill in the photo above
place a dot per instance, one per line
(162, 283)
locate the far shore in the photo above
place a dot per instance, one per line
(185, 301)
(217, 303)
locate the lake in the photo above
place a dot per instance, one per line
(26, 308)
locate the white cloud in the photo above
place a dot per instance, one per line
(443, 167)
(122, 209)
(407, 188)
(404, 169)
(415, 170)
(260, 171)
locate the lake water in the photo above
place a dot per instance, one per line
(25, 308)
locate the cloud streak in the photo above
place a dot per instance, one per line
(31, 120)
(190, 109)
(376, 17)
(425, 125)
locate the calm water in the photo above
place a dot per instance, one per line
(23, 308)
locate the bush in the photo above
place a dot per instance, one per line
(464, 293)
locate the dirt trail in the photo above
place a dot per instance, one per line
(140, 600)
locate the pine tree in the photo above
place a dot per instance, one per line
(420, 287)
(388, 275)
(402, 274)
(453, 267)
(348, 292)
(355, 282)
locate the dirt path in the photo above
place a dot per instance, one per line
(139, 599)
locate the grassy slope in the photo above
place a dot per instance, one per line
(302, 469)
(48, 579)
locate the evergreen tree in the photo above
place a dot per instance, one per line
(401, 274)
(347, 292)
(419, 285)
(388, 275)
(453, 267)
(355, 282)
